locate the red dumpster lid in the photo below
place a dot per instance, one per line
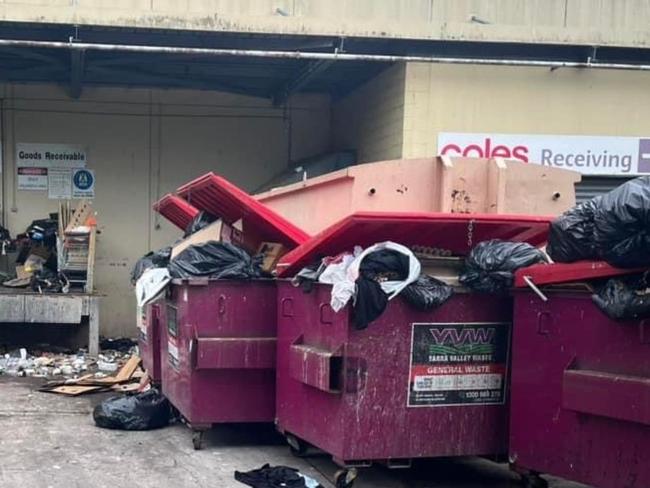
(456, 232)
(219, 197)
(580, 271)
(176, 210)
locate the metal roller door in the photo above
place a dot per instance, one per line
(592, 186)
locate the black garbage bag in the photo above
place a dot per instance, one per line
(427, 293)
(153, 259)
(571, 235)
(370, 302)
(44, 231)
(370, 299)
(622, 224)
(142, 411)
(202, 219)
(490, 265)
(624, 299)
(217, 260)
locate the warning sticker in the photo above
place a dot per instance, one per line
(458, 364)
(172, 330)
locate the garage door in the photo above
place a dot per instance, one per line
(591, 186)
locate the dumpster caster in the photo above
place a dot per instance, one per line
(297, 447)
(533, 480)
(197, 439)
(344, 478)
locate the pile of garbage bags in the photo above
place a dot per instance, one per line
(372, 277)
(614, 227)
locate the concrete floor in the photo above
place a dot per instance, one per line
(50, 441)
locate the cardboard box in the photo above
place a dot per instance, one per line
(271, 252)
(216, 231)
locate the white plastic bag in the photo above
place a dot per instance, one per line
(151, 284)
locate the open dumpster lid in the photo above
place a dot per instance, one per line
(219, 197)
(176, 210)
(455, 232)
(580, 271)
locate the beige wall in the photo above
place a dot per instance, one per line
(371, 119)
(446, 98)
(138, 157)
(590, 22)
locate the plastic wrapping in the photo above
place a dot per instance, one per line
(490, 265)
(624, 299)
(216, 260)
(142, 411)
(154, 259)
(427, 293)
(622, 224)
(202, 219)
(571, 236)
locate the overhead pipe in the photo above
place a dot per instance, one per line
(335, 56)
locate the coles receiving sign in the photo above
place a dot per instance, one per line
(591, 155)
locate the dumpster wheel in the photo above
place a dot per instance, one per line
(197, 439)
(533, 480)
(297, 446)
(344, 478)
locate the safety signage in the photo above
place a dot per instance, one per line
(83, 183)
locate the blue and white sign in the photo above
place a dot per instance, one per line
(83, 183)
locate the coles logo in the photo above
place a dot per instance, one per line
(487, 149)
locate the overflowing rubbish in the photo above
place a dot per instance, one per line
(215, 260)
(276, 477)
(490, 266)
(151, 284)
(151, 260)
(625, 298)
(141, 411)
(427, 293)
(202, 220)
(614, 227)
(571, 236)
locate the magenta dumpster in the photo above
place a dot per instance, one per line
(411, 385)
(218, 352)
(580, 387)
(149, 339)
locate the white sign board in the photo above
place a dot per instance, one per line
(83, 183)
(50, 155)
(591, 155)
(59, 183)
(32, 179)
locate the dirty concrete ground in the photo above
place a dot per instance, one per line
(50, 441)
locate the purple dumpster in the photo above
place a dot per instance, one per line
(218, 352)
(412, 385)
(149, 339)
(580, 388)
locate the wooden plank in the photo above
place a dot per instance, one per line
(80, 215)
(128, 369)
(52, 309)
(74, 390)
(90, 270)
(12, 308)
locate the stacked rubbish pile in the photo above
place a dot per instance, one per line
(54, 254)
(614, 228)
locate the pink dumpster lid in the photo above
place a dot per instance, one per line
(580, 271)
(219, 197)
(456, 232)
(176, 210)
